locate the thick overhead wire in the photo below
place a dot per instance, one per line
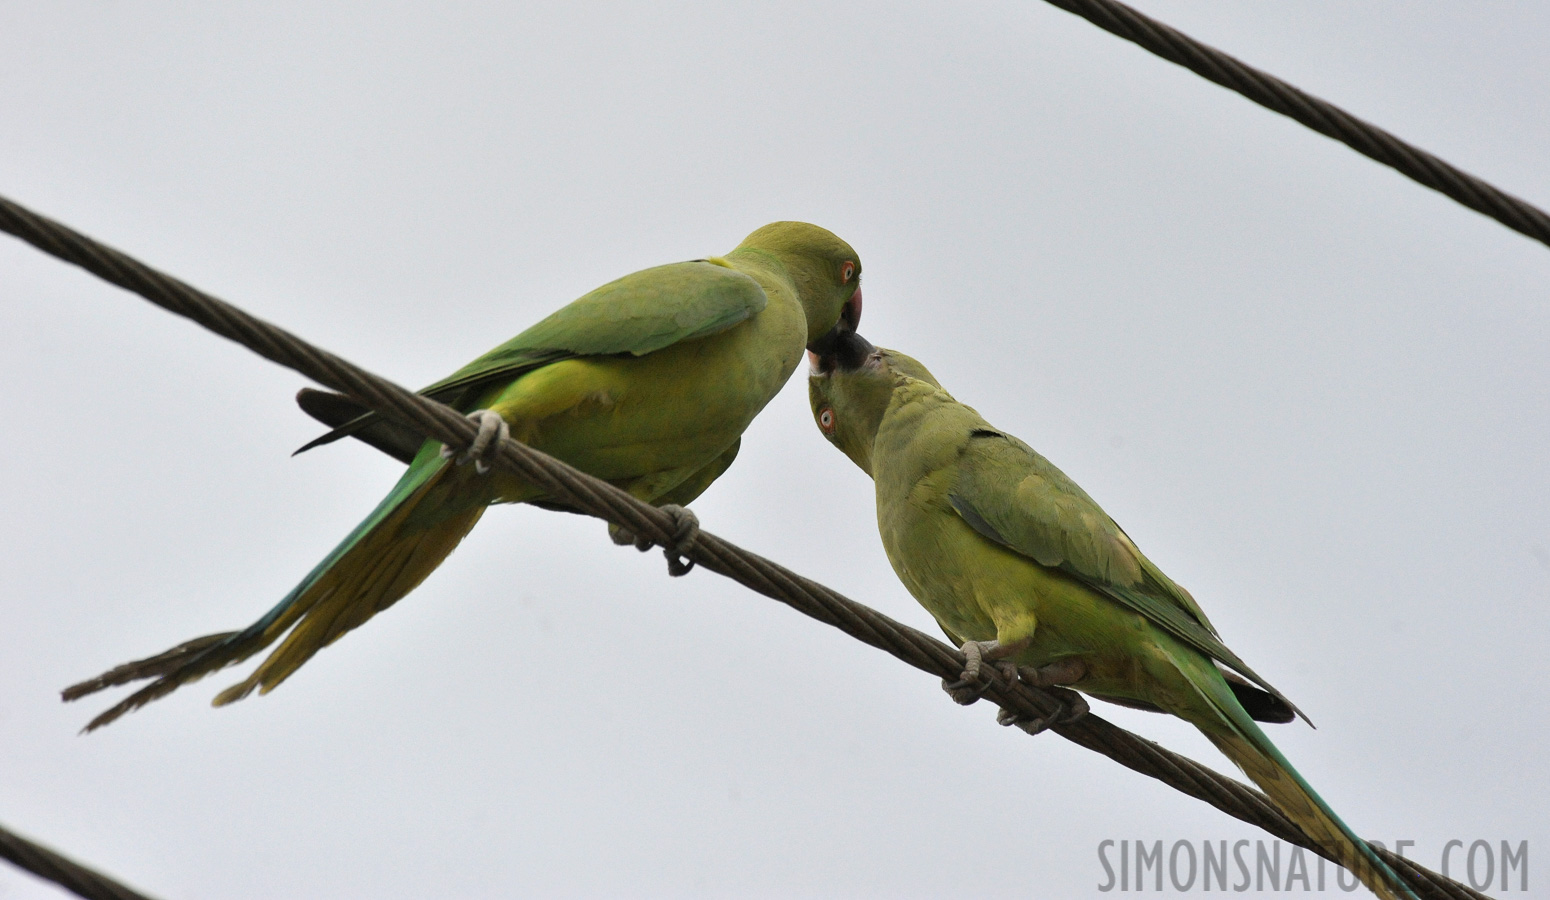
(583, 492)
(63, 871)
(1320, 115)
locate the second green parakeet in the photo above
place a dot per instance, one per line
(647, 382)
(1016, 562)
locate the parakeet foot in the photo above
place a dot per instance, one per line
(1073, 707)
(492, 430)
(686, 527)
(1061, 672)
(969, 688)
(624, 537)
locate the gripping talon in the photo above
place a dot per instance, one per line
(1072, 707)
(973, 658)
(686, 529)
(1061, 672)
(492, 430)
(620, 535)
(1077, 709)
(1031, 726)
(965, 692)
(969, 688)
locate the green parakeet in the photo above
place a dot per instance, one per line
(1016, 562)
(647, 382)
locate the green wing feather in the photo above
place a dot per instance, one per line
(1049, 519)
(642, 312)
(638, 314)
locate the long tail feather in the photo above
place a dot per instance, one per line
(385, 557)
(1246, 745)
(350, 418)
(392, 566)
(151, 667)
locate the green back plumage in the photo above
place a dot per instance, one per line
(637, 314)
(1049, 519)
(933, 457)
(647, 381)
(1044, 515)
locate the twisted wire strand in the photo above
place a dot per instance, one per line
(600, 499)
(65, 872)
(1320, 115)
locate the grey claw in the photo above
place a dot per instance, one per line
(1031, 726)
(1072, 708)
(969, 688)
(965, 693)
(492, 430)
(1077, 709)
(687, 528)
(973, 656)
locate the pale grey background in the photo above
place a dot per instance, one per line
(1313, 391)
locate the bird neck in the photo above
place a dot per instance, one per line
(769, 269)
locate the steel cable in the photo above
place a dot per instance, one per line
(67, 873)
(1320, 115)
(583, 492)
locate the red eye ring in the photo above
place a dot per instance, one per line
(847, 270)
(826, 420)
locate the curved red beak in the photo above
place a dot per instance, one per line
(850, 313)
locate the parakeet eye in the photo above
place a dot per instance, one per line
(826, 420)
(847, 269)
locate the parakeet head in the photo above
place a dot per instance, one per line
(825, 271)
(850, 389)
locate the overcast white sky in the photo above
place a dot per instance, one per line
(1314, 392)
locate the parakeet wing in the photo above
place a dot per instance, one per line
(637, 314)
(1010, 494)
